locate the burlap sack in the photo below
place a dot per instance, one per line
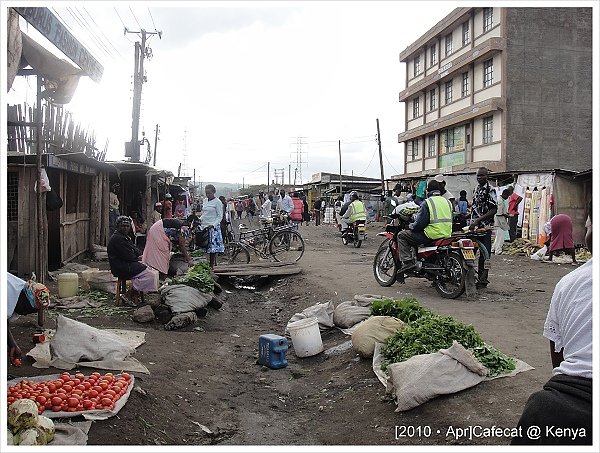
(349, 313)
(374, 330)
(425, 376)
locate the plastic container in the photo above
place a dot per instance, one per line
(306, 337)
(272, 350)
(68, 285)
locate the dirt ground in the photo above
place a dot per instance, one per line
(211, 377)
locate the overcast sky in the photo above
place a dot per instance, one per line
(245, 80)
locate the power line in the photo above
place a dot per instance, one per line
(369, 163)
(87, 27)
(152, 19)
(388, 161)
(66, 24)
(103, 34)
(135, 17)
(254, 171)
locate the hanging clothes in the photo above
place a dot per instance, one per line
(534, 215)
(526, 213)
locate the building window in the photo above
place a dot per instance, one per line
(412, 149)
(464, 91)
(431, 148)
(488, 72)
(449, 139)
(417, 66)
(488, 129)
(12, 196)
(488, 19)
(448, 44)
(465, 33)
(432, 100)
(432, 56)
(415, 107)
(448, 92)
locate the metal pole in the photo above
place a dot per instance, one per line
(155, 144)
(380, 160)
(41, 240)
(340, 152)
(268, 177)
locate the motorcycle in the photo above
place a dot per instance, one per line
(356, 233)
(450, 263)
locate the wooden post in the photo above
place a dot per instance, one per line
(340, 152)
(41, 264)
(380, 160)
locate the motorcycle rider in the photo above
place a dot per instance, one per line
(432, 222)
(356, 211)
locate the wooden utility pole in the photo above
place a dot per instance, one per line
(290, 175)
(42, 247)
(156, 144)
(380, 160)
(340, 152)
(268, 177)
(141, 52)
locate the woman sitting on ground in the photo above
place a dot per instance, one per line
(124, 258)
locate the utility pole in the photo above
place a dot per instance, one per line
(155, 144)
(179, 170)
(380, 160)
(141, 52)
(290, 175)
(340, 152)
(268, 176)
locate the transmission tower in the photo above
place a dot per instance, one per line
(299, 159)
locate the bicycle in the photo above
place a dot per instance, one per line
(279, 243)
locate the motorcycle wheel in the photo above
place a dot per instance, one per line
(384, 267)
(357, 243)
(454, 285)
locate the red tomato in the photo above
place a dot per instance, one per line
(48, 405)
(58, 384)
(95, 374)
(41, 399)
(87, 386)
(56, 408)
(108, 374)
(67, 388)
(92, 393)
(56, 401)
(80, 376)
(87, 404)
(106, 401)
(65, 377)
(76, 392)
(108, 378)
(103, 385)
(73, 402)
(80, 387)
(98, 389)
(75, 382)
(118, 384)
(61, 391)
(126, 376)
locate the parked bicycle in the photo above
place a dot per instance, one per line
(279, 243)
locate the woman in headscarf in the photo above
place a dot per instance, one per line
(124, 260)
(157, 253)
(212, 214)
(561, 236)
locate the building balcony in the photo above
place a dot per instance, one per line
(454, 66)
(481, 108)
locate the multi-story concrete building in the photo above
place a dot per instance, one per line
(506, 88)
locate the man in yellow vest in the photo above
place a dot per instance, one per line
(432, 222)
(356, 211)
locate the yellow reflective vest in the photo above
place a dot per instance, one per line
(358, 211)
(440, 218)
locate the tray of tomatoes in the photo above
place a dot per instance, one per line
(68, 395)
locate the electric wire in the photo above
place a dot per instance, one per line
(152, 18)
(388, 161)
(370, 162)
(94, 35)
(135, 17)
(88, 38)
(107, 38)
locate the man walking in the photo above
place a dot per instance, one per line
(317, 210)
(484, 210)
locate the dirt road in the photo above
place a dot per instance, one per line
(211, 377)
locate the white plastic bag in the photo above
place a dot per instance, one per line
(539, 255)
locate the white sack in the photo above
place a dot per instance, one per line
(349, 313)
(323, 312)
(184, 298)
(425, 376)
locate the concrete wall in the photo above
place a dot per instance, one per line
(549, 88)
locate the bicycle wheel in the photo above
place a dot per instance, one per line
(235, 253)
(287, 246)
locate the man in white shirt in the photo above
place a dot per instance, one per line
(266, 207)
(566, 399)
(285, 202)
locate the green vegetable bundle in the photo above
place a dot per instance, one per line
(197, 277)
(427, 332)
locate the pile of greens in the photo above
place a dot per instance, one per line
(427, 332)
(197, 277)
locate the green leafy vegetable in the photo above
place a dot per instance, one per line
(197, 277)
(427, 332)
